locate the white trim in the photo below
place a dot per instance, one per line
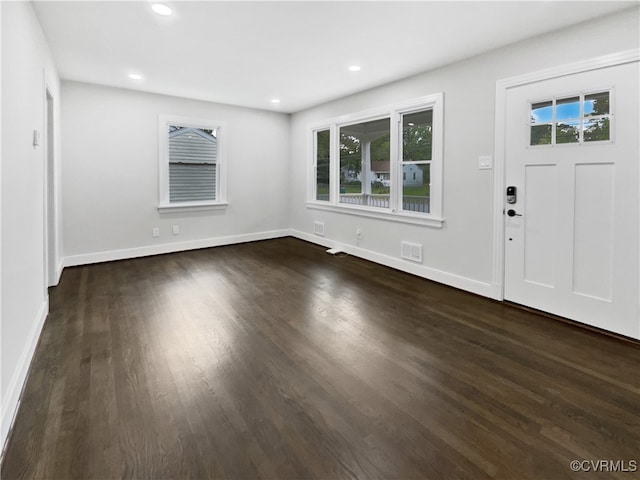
(191, 207)
(111, 255)
(384, 214)
(51, 235)
(502, 86)
(13, 395)
(58, 274)
(463, 283)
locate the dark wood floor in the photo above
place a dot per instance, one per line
(276, 360)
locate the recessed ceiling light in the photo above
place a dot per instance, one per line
(161, 9)
(275, 100)
(135, 76)
(354, 68)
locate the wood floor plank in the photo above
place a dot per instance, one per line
(274, 360)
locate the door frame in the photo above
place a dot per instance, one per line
(50, 184)
(50, 203)
(502, 87)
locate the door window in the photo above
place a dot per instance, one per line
(576, 119)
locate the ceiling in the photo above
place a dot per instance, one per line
(248, 53)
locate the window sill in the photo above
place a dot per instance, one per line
(425, 220)
(192, 207)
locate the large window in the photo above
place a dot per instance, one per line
(385, 163)
(191, 163)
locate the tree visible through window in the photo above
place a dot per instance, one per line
(575, 119)
(365, 154)
(322, 164)
(597, 118)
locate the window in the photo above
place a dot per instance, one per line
(417, 154)
(385, 163)
(364, 155)
(191, 164)
(575, 119)
(597, 117)
(322, 164)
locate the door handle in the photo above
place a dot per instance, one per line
(512, 213)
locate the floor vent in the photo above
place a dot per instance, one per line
(412, 251)
(318, 228)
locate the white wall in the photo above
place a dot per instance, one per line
(110, 175)
(459, 254)
(26, 65)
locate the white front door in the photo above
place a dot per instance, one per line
(572, 234)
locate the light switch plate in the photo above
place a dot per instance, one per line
(485, 162)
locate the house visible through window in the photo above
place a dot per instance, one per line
(191, 163)
(193, 154)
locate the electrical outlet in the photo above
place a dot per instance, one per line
(155, 232)
(176, 230)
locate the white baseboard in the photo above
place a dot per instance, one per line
(474, 286)
(58, 273)
(463, 283)
(13, 395)
(59, 269)
(123, 254)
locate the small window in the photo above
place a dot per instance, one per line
(576, 119)
(568, 120)
(417, 153)
(597, 117)
(322, 164)
(541, 123)
(191, 163)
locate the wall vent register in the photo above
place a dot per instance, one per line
(411, 251)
